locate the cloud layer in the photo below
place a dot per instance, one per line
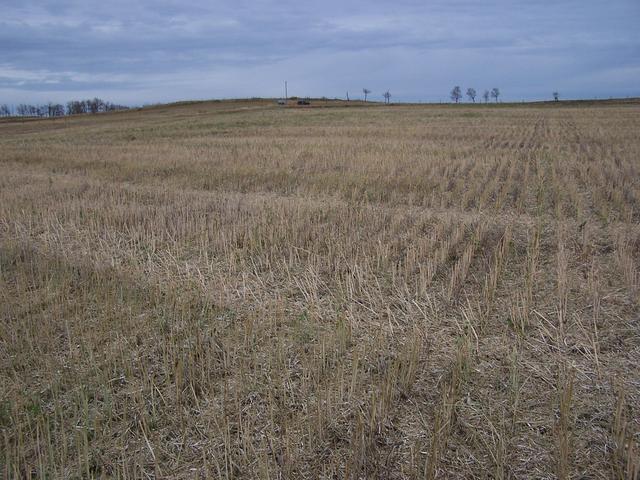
(153, 51)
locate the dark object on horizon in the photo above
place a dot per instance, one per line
(556, 96)
(387, 97)
(486, 95)
(495, 93)
(366, 92)
(456, 94)
(304, 101)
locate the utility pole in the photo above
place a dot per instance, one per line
(286, 96)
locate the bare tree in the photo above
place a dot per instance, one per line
(96, 105)
(366, 92)
(495, 93)
(486, 96)
(76, 107)
(93, 106)
(387, 97)
(471, 93)
(4, 111)
(110, 107)
(57, 110)
(556, 96)
(456, 94)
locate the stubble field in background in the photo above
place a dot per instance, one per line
(237, 290)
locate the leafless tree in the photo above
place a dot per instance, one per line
(486, 96)
(4, 111)
(75, 107)
(366, 92)
(471, 93)
(387, 97)
(456, 94)
(110, 107)
(96, 105)
(57, 110)
(495, 93)
(556, 96)
(23, 110)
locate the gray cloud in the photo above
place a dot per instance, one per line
(149, 51)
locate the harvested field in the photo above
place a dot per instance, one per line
(235, 290)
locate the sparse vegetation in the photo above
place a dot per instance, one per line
(237, 290)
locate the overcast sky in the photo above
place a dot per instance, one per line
(143, 51)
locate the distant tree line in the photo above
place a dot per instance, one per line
(456, 94)
(73, 107)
